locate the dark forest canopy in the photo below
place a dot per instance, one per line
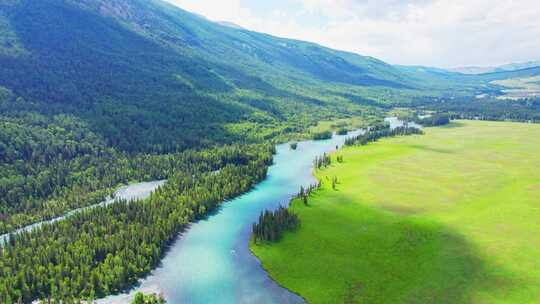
(524, 110)
(52, 165)
(434, 120)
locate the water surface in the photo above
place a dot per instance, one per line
(211, 262)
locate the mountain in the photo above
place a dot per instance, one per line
(473, 70)
(492, 69)
(511, 74)
(149, 76)
(520, 66)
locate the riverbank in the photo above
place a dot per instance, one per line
(210, 262)
(129, 193)
(441, 218)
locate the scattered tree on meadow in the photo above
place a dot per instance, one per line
(272, 225)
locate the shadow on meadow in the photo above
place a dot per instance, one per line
(432, 149)
(453, 124)
(386, 257)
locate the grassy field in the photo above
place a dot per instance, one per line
(452, 216)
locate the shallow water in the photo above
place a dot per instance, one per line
(129, 193)
(211, 262)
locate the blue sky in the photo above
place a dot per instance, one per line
(443, 33)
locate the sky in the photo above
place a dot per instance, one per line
(439, 33)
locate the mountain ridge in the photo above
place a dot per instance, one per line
(476, 70)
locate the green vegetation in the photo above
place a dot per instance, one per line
(322, 135)
(446, 217)
(49, 166)
(272, 225)
(342, 131)
(96, 93)
(493, 109)
(141, 298)
(322, 161)
(380, 131)
(92, 84)
(434, 120)
(105, 250)
(353, 123)
(150, 77)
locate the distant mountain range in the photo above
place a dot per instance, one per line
(492, 69)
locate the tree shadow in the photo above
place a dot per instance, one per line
(452, 125)
(432, 149)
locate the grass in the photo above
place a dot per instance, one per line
(452, 216)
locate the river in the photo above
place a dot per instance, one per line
(129, 193)
(211, 263)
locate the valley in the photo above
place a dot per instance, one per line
(141, 142)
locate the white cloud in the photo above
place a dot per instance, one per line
(427, 32)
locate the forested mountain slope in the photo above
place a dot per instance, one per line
(149, 76)
(96, 93)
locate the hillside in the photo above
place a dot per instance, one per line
(97, 93)
(149, 76)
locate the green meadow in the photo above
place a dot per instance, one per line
(451, 216)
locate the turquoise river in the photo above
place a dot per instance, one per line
(211, 263)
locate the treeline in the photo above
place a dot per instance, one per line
(380, 126)
(272, 225)
(49, 166)
(523, 110)
(322, 135)
(103, 251)
(434, 120)
(342, 131)
(322, 161)
(372, 136)
(306, 192)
